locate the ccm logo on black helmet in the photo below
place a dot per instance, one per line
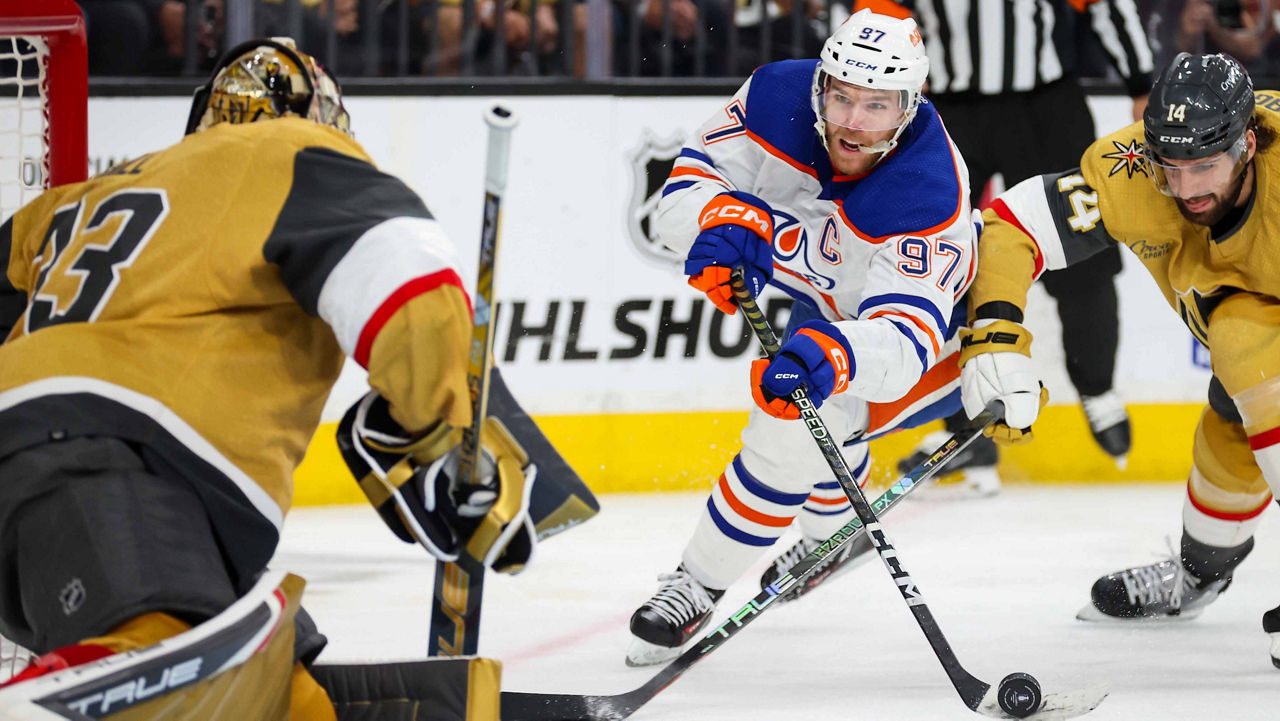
(1175, 139)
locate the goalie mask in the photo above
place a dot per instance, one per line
(877, 52)
(266, 79)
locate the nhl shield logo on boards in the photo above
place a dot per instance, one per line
(651, 162)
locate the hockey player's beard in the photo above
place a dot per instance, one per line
(1223, 202)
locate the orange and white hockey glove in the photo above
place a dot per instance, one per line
(737, 229)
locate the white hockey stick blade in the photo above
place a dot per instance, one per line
(1054, 706)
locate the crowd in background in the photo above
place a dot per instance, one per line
(654, 38)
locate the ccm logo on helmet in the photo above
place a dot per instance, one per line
(744, 213)
(860, 64)
(1178, 139)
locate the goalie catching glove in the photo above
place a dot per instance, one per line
(995, 364)
(412, 482)
(817, 356)
(737, 230)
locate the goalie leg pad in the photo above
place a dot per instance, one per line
(86, 570)
(440, 689)
(234, 667)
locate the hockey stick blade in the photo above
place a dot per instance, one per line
(1054, 706)
(1019, 690)
(519, 706)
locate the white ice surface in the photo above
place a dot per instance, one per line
(1004, 577)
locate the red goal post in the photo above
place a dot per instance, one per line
(44, 88)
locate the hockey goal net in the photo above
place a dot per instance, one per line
(44, 89)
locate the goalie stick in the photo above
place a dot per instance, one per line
(1019, 694)
(459, 586)
(518, 706)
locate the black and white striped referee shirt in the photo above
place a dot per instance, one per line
(992, 47)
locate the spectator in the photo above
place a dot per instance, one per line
(698, 38)
(169, 44)
(529, 32)
(1239, 28)
(117, 28)
(782, 31)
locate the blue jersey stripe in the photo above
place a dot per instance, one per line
(903, 299)
(760, 490)
(673, 187)
(700, 157)
(734, 533)
(836, 512)
(921, 353)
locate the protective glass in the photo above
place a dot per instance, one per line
(859, 108)
(1191, 179)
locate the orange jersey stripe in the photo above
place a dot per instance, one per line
(749, 513)
(942, 373)
(933, 338)
(683, 171)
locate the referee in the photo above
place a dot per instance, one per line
(1001, 74)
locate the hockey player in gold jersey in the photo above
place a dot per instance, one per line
(1194, 192)
(172, 330)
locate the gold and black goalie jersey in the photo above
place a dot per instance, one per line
(199, 300)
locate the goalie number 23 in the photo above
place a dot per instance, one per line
(80, 267)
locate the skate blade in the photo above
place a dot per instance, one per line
(642, 653)
(1054, 706)
(1091, 614)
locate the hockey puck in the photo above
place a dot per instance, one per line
(1019, 694)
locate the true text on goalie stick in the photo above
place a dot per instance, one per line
(459, 586)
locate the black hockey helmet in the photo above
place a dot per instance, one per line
(1200, 105)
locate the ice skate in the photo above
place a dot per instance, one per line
(977, 463)
(668, 620)
(1271, 624)
(1163, 591)
(1109, 423)
(850, 555)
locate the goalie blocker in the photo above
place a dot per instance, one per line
(524, 490)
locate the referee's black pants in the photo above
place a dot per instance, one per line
(1045, 131)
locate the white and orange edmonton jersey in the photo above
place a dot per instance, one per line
(886, 255)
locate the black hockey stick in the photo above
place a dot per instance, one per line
(517, 706)
(459, 586)
(1018, 694)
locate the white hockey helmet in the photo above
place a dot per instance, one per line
(873, 51)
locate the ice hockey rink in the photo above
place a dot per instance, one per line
(1003, 576)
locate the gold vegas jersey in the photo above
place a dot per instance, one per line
(199, 301)
(1051, 221)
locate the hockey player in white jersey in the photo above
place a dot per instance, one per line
(866, 224)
